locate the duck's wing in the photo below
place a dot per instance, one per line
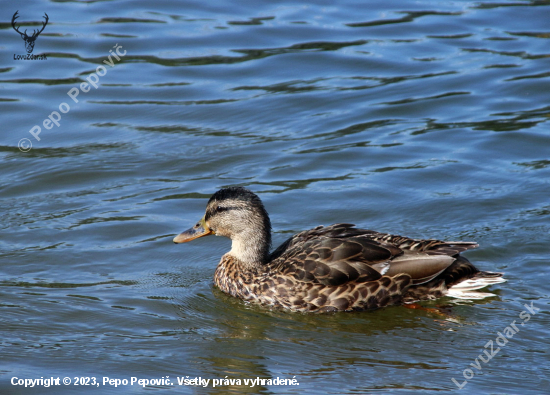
(429, 246)
(341, 253)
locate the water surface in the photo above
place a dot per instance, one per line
(425, 119)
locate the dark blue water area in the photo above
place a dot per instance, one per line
(426, 119)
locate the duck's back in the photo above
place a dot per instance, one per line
(340, 253)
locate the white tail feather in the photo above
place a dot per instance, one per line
(466, 289)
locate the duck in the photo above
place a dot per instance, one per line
(330, 268)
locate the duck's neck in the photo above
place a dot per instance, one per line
(251, 246)
(251, 249)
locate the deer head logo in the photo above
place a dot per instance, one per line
(29, 41)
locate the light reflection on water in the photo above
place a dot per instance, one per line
(423, 119)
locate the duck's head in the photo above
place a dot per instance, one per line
(239, 214)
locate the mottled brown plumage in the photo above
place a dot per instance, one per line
(333, 268)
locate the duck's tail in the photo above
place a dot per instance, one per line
(461, 280)
(467, 289)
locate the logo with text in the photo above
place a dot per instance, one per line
(29, 40)
(501, 340)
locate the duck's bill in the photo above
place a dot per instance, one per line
(199, 230)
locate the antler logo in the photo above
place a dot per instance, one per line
(29, 41)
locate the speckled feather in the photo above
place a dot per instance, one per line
(285, 291)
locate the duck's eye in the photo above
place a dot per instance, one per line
(219, 209)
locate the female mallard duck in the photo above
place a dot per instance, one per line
(333, 268)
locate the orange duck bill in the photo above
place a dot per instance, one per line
(199, 230)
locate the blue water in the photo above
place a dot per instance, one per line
(427, 119)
